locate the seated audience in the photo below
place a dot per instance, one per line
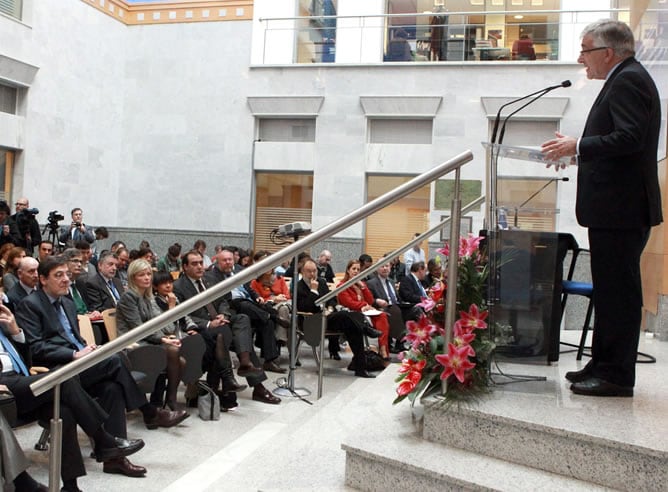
(45, 249)
(309, 289)
(358, 297)
(245, 300)
(104, 290)
(411, 291)
(137, 306)
(171, 262)
(87, 268)
(245, 258)
(200, 246)
(51, 328)
(78, 292)
(9, 279)
(28, 280)
(214, 320)
(77, 408)
(4, 254)
(123, 256)
(325, 266)
(434, 273)
(275, 292)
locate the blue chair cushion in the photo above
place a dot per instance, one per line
(577, 288)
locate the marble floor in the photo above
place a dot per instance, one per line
(297, 445)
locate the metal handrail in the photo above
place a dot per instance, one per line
(75, 367)
(382, 261)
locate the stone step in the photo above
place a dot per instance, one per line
(613, 442)
(381, 464)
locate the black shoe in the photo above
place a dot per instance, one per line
(334, 355)
(371, 332)
(124, 447)
(578, 376)
(231, 385)
(272, 366)
(228, 401)
(364, 374)
(598, 387)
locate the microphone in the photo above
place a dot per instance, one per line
(549, 181)
(497, 120)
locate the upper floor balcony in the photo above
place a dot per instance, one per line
(330, 31)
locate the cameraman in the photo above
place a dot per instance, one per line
(77, 230)
(27, 225)
(9, 232)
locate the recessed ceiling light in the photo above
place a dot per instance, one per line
(519, 17)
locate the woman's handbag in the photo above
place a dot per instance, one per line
(208, 404)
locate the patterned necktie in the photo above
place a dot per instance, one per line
(209, 307)
(13, 355)
(65, 323)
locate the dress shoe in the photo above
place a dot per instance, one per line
(122, 466)
(371, 332)
(271, 366)
(578, 376)
(334, 355)
(249, 370)
(124, 447)
(231, 385)
(364, 374)
(598, 387)
(265, 396)
(166, 418)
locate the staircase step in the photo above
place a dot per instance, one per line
(381, 462)
(613, 442)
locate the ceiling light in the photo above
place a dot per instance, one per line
(519, 17)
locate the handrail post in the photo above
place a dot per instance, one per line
(321, 368)
(55, 451)
(453, 258)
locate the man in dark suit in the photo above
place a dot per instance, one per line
(77, 408)
(216, 318)
(77, 230)
(245, 300)
(103, 290)
(28, 279)
(49, 321)
(310, 288)
(411, 291)
(387, 299)
(618, 200)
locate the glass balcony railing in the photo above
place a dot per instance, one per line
(536, 35)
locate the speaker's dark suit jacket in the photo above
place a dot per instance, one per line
(618, 199)
(98, 296)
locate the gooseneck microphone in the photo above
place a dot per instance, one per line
(540, 93)
(549, 181)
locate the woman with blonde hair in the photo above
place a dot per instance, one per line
(136, 306)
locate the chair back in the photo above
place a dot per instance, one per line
(311, 326)
(192, 350)
(86, 329)
(109, 318)
(150, 360)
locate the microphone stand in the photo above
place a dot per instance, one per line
(286, 387)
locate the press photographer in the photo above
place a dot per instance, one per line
(28, 228)
(77, 230)
(10, 233)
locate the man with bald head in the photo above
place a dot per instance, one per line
(324, 266)
(28, 279)
(27, 225)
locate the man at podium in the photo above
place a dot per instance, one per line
(618, 200)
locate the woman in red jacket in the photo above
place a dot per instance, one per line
(358, 297)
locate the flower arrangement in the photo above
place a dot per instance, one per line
(464, 363)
